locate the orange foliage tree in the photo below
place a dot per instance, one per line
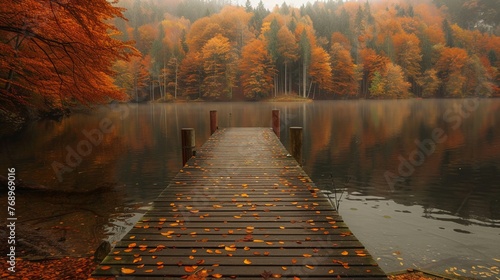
(219, 66)
(58, 53)
(343, 71)
(257, 70)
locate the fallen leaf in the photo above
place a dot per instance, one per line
(132, 245)
(296, 278)
(294, 261)
(230, 249)
(127, 270)
(247, 261)
(190, 269)
(217, 275)
(148, 270)
(307, 255)
(331, 271)
(276, 275)
(284, 268)
(310, 266)
(344, 253)
(168, 233)
(105, 267)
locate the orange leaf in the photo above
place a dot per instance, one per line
(310, 266)
(307, 255)
(105, 267)
(127, 270)
(276, 275)
(200, 262)
(296, 278)
(247, 261)
(217, 275)
(148, 270)
(168, 233)
(190, 269)
(132, 245)
(294, 261)
(344, 253)
(230, 249)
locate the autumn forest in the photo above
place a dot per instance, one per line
(56, 54)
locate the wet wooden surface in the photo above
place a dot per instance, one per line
(241, 209)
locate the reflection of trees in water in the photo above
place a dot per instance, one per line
(442, 215)
(365, 140)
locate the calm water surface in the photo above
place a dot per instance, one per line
(420, 177)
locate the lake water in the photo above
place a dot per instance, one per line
(420, 178)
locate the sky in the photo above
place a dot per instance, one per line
(269, 4)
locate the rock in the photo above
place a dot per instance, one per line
(102, 251)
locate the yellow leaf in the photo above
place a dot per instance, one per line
(331, 271)
(230, 249)
(247, 261)
(168, 233)
(127, 270)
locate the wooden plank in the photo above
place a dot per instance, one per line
(238, 210)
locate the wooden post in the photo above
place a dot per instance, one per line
(276, 122)
(213, 122)
(296, 143)
(188, 144)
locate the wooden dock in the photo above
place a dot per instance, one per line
(241, 209)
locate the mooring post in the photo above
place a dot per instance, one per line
(276, 122)
(213, 122)
(296, 143)
(188, 144)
